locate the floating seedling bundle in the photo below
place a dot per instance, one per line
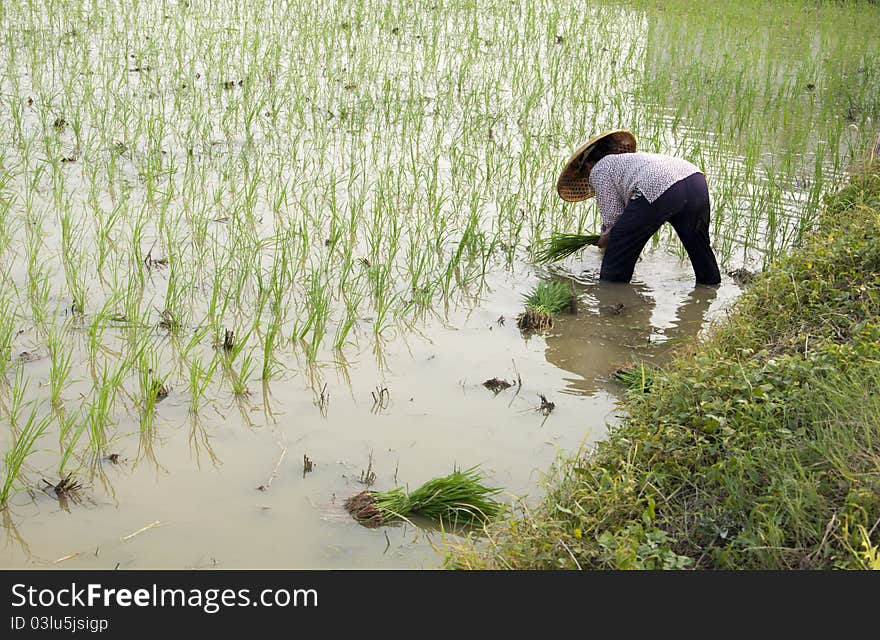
(459, 499)
(543, 303)
(562, 245)
(637, 378)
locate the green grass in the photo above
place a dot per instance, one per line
(757, 448)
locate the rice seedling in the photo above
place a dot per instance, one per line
(459, 499)
(22, 447)
(319, 311)
(270, 366)
(17, 403)
(95, 332)
(71, 428)
(545, 301)
(73, 264)
(345, 326)
(200, 377)
(7, 332)
(60, 368)
(104, 392)
(153, 387)
(562, 245)
(241, 377)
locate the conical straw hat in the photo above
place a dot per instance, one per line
(573, 184)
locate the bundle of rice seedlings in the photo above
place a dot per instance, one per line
(546, 300)
(562, 245)
(459, 499)
(636, 378)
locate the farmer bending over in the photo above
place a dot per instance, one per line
(636, 193)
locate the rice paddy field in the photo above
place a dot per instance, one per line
(256, 257)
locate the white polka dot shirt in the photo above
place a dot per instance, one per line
(620, 177)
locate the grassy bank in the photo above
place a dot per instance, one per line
(759, 447)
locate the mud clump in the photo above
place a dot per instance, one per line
(545, 301)
(743, 277)
(546, 407)
(362, 507)
(68, 490)
(534, 321)
(497, 385)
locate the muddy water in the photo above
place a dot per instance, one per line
(227, 488)
(190, 496)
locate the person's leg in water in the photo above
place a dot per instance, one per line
(692, 226)
(640, 220)
(686, 206)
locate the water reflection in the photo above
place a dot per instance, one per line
(616, 323)
(13, 537)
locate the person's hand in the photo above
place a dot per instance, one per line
(603, 241)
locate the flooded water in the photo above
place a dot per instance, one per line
(347, 192)
(198, 483)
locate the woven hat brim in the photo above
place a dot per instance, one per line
(573, 184)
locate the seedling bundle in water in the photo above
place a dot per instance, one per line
(546, 300)
(562, 245)
(459, 499)
(637, 378)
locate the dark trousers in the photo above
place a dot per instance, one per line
(684, 205)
